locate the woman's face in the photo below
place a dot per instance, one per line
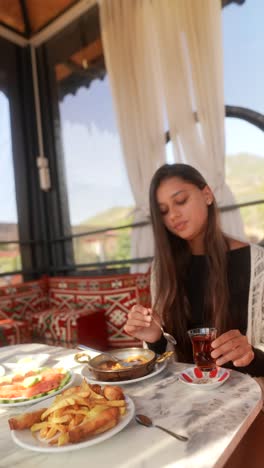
(184, 207)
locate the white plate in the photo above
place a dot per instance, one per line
(31, 401)
(26, 440)
(91, 379)
(26, 362)
(193, 377)
(2, 371)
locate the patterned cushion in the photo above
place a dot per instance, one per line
(3, 315)
(18, 302)
(115, 294)
(14, 332)
(54, 326)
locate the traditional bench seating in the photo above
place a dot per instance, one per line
(66, 311)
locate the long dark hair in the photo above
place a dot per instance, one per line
(171, 259)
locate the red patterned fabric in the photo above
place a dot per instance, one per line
(67, 311)
(20, 301)
(54, 326)
(115, 294)
(14, 332)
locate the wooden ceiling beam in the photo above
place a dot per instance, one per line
(62, 21)
(57, 24)
(25, 18)
(10, 35)
(228, 2)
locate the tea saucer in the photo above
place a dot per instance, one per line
(194, 377)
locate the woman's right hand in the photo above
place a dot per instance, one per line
(140, 324)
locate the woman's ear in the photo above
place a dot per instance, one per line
(208, 195)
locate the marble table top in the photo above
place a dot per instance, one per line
(214, 421)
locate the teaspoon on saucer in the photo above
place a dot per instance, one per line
(146, 421)
(166, 335)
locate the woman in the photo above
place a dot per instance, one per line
(200, 276)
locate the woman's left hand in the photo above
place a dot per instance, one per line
(232, 346)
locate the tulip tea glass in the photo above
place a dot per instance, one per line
(202, 339)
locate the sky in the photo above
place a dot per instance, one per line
(89, 132)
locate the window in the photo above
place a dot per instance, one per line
(244, 76)
(98, 189)
(243, 37)
(244, 172)
(9, 253)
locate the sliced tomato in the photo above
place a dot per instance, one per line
(11, 391)
(50, 380)
(41, 387)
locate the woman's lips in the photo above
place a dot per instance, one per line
(180, 226)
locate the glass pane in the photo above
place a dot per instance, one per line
(99, 193)
(243, 51)
(9, 253)
(244, 172)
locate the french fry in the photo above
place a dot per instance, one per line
(79, 419)
(68, 392)
(43, 432)
(61, 404)
(122, 410)
(51, 432)
(61, 419)
(63, 439)
(38, 426)
(113, 403)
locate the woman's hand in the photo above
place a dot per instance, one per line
(232, 346)
(140, 324)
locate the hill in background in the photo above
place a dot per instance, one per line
(245, 176)
(116, 216)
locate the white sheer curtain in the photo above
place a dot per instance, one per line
(133, 68)
(191, 48)
(168, 52)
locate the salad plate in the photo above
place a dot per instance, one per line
(41, 384)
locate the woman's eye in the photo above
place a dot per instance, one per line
(181, 202)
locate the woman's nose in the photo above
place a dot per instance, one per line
(175, 212)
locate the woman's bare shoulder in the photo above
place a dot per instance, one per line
(236, 244)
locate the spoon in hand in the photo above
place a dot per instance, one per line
(166, 335)
(146, 421)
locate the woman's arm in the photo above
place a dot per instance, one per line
(256, 367)
(159, 346)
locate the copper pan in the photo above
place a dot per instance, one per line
(133, 372)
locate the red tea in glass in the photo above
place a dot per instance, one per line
(201, 343)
